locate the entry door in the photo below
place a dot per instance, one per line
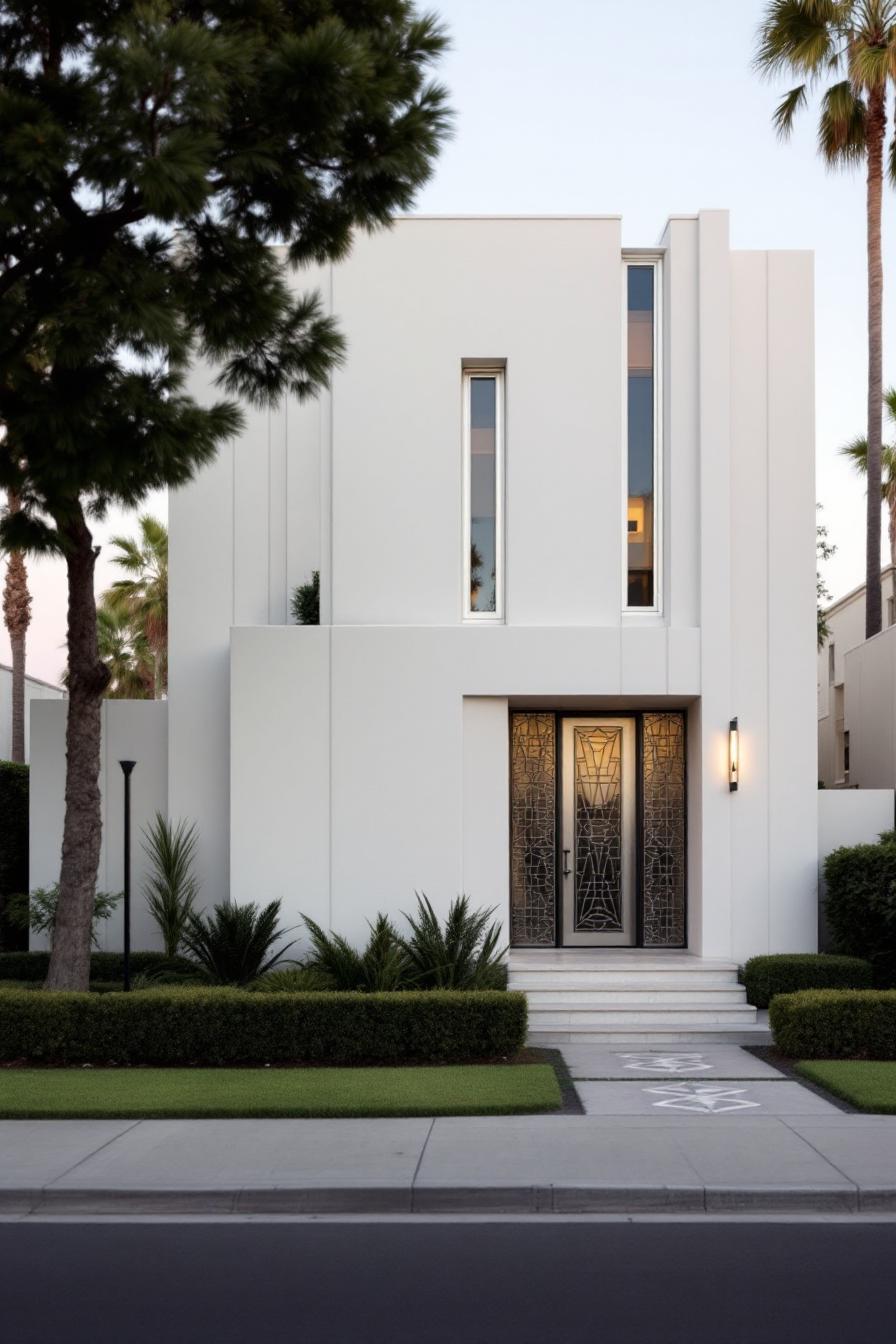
(599, 833)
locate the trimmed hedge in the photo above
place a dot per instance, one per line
(787, 972)
(860, 904)
(103, 965)
(835, 1023)
(13, 844)
(231, 1026)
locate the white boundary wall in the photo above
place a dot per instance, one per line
(134, 730)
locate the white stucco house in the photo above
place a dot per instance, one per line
(561, 498)
(35, 689)
(857, 693)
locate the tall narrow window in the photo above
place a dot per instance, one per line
(483, 487)
(642, 435)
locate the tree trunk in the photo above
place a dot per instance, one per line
(891, 527)
(82, 829)
(875, 129)
(17, 616)
(17, 645)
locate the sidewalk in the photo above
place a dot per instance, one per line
(706, 1129)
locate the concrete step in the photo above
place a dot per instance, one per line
(630, 997)
(715, 1033)
(563, 1017)
(621, 981)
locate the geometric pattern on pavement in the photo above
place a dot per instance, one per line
(681, 1062)
(705, 1098)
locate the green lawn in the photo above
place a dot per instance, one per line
(475, 1089)
(869, 1084)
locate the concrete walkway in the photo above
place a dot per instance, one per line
(708, 1129)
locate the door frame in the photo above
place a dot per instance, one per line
(638, 716)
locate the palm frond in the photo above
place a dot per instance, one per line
(796, 35)
(172, 888)
(841, 125)
(785, 112)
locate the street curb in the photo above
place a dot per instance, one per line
(534, 1199)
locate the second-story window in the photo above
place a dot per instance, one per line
(483, 494)
(642, 446)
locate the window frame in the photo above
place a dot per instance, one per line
(654, 260)
(469, 373)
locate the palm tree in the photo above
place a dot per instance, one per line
(17, 618)
(857, 451)
(126, 654)
(817, 41)
(141, 599)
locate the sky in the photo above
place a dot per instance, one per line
(603, 107)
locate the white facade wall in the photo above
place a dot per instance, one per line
(34, 690)
(135, 730)
(870, 711)
(846, 631)
(344, 767)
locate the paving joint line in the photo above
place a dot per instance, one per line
(88, 1156)
(413, 1182)
(824, 1157)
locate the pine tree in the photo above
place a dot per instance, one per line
(152, 154)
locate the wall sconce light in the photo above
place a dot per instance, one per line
(733, 756)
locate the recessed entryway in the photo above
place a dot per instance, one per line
(598, 829)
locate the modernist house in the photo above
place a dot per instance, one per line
(857, 693)
(561, 499)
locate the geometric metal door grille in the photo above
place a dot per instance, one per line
(663, 837)
(598, 829)
(533, 830)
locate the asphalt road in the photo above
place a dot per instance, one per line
(435, 1282)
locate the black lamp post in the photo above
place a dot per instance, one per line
(127, 767)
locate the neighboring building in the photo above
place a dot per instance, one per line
(34, 690)
(856, 715)
(561, 498)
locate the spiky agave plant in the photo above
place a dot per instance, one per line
(233, 944)
(381, 966)
(465, 953)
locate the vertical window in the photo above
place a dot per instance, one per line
(891, 611)
(831, 663)
(483, 489)
(642, 435)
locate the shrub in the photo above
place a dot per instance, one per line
(232, 945)
(383, 965)
(786, 972)
(33, 966)
(37, 910)
(172, 886)
(835, 1023)
(291, 980)
(860, 905)
(306, 601)
(462, 955)
(13, 845)
(230, 1026)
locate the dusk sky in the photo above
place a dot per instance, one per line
(573, 108)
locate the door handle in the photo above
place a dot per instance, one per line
(566, 868)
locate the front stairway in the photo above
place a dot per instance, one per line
(633, 995)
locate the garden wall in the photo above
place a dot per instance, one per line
(134, 730)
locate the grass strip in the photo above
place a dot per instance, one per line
(869, 1084)
(125, 1094)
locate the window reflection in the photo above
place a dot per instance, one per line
(641, 431)
(483, 494)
